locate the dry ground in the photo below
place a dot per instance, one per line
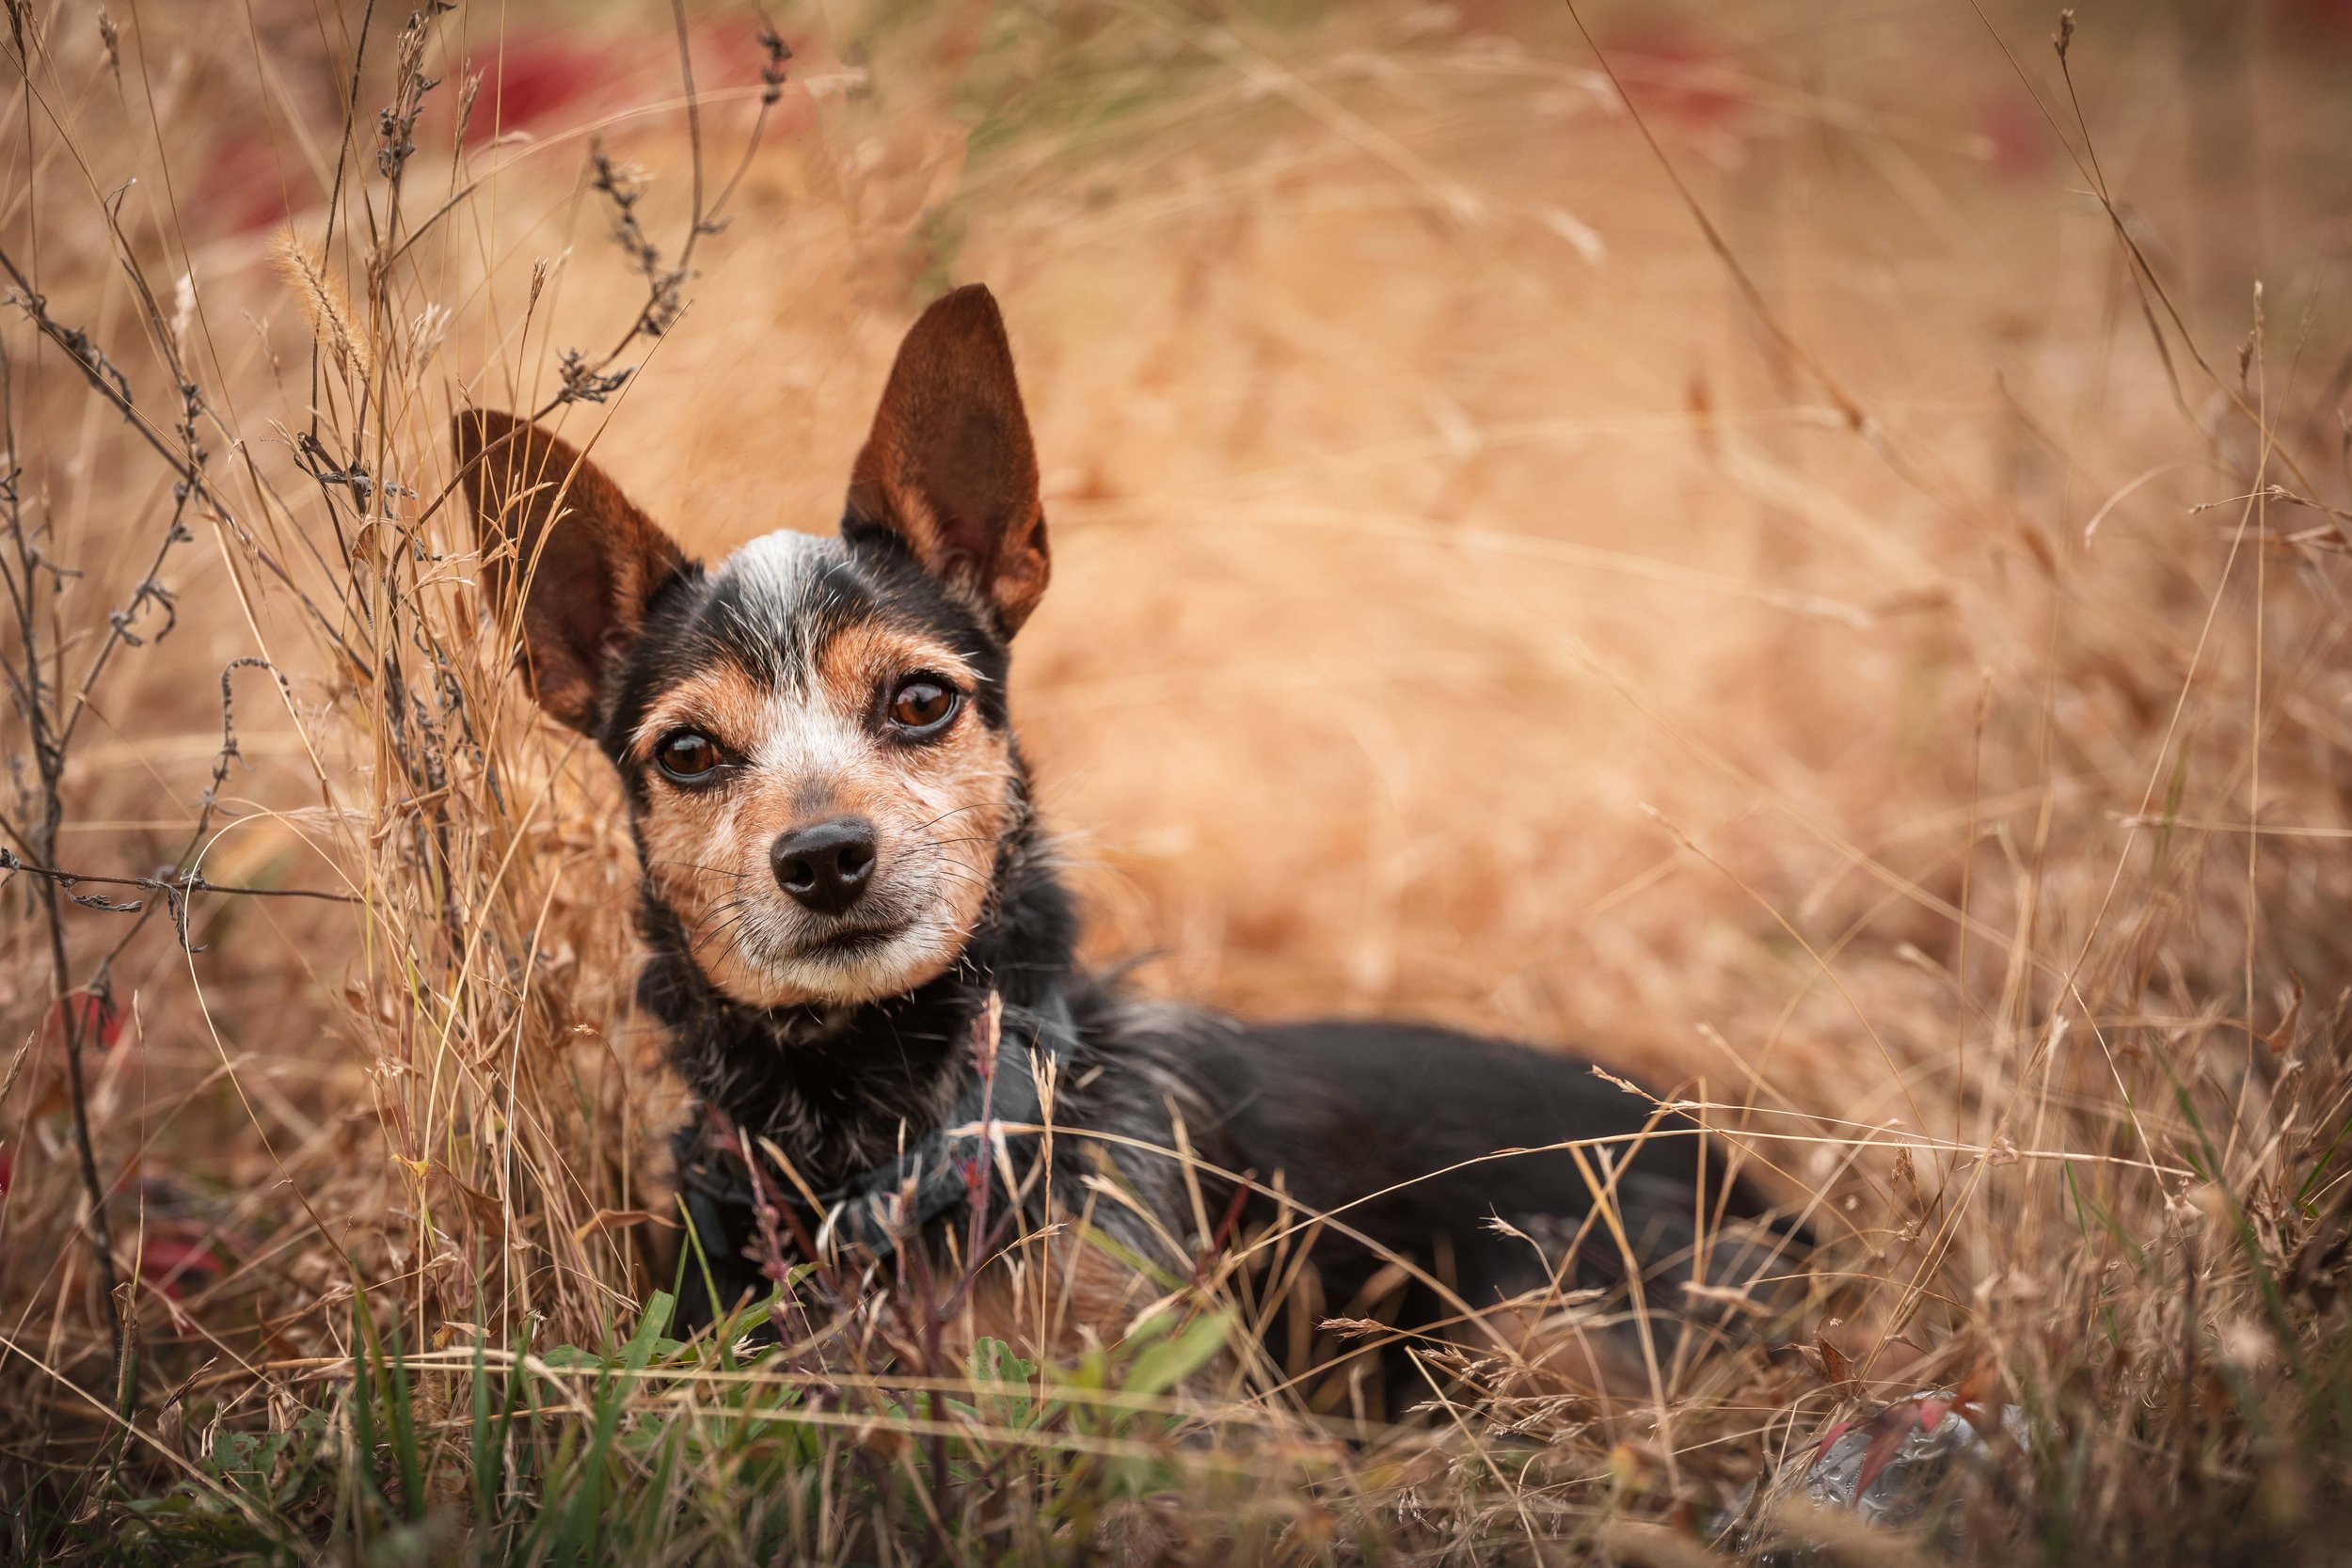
(1809, 572)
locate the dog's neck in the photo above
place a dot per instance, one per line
(840, 1088)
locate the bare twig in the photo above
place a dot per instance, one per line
(35, 700)
(592, 381)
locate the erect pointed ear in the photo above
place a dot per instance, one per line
(565, 558)
(949, 468)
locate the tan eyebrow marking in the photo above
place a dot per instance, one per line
(858, 657)
(725, 702)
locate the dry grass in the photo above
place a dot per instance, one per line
(1835, 671)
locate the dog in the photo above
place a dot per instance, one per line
(863, 953)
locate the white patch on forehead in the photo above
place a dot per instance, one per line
(784, 558)
(772, 577)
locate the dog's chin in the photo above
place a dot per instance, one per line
(852, 964)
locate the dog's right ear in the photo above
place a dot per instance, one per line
(566, 560)
(948, 467)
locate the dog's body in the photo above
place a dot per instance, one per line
(860, 947)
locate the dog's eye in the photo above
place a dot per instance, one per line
(923, 703)
(689, 754)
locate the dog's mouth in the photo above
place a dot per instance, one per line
(854, 942)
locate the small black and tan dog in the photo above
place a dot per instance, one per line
(864, 958)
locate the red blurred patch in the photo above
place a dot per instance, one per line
(1682, 73)
(174, 1266)
(725, 51)
(527, 81)
(2015, 134)
(535, 77)
(7, 1170)
(2328, 19)
(99, 1020)
(242, 186)
(531, 76)
(176, 1260)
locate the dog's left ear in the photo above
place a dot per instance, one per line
(949, 468)
(567, 561)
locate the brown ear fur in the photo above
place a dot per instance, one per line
(551, 526)
(949, 468)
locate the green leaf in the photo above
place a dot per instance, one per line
(1163, 1366)
(642, 1344)
(993, 1361)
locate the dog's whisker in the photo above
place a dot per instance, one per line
(694, 866)
(953, 811)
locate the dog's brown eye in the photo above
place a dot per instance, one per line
(922, 704)
(689, 754)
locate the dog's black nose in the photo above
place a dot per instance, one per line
(827, 866)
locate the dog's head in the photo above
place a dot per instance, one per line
(812, 733)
